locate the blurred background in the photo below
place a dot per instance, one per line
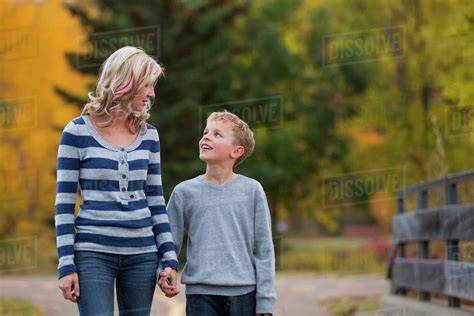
(350, 101)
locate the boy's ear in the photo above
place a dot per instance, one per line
(237, 152)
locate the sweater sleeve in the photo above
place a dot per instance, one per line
(264, 255)
(156, 204)
(176, 215)
(68, 165)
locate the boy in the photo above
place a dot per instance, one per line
(230, 268)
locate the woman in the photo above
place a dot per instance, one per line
(121, 233)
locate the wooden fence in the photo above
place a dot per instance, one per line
(451, 223)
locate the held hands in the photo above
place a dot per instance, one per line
(69, 285)
(167, 282)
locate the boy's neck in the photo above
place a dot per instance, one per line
(219, 174)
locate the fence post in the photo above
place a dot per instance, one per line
(423, 246)
(400, 210)
(452, 246)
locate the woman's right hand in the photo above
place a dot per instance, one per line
(69, 285)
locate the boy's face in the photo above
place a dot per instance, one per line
(217, 142)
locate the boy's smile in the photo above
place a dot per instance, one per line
(205, 146)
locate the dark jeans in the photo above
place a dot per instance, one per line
(134, 275)
(216, 305)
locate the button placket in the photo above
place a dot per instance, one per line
(123, 175)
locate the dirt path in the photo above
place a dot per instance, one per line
(297, 295)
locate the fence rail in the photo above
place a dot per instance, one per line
(452, 223)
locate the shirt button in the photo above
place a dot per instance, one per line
(132, 196)
(124, 189)
(122, 161)
(122, 149)
(124, 176)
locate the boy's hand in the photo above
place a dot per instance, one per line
(167, 282)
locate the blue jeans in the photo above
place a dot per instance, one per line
(134, 275)
(216, 305)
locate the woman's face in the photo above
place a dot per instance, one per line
(144, 96)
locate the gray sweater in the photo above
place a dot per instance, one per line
(229, 247)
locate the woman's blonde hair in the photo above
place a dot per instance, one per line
(121, 76)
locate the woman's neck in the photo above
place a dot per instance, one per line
(119, 122)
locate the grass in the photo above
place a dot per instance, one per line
(339, 256)
(296, 255)
(349, 306)
(17, 307)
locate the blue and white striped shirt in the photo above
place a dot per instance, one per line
(123, 209)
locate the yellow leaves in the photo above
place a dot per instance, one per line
(326, 219)
(366, 136)
(25, 227)
(34, 37)
(281, 211)
(381, 209)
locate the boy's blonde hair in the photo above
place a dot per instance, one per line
(121, 76)
(243, 135)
